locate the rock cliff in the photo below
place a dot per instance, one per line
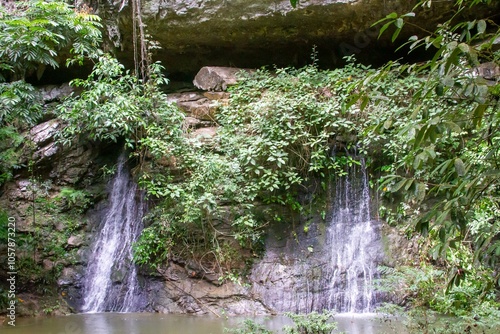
(239, 33)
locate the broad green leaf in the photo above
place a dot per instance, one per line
(433, 133)
(396, 34)
(420, 136)
(441, 218)
(387, 123)
(417, 162)
(384, 28)
(439, 90)
(410, 14)
(459, 167)
(437, 41)
(453, 126)
(430, 152)
(399, 23)
(478, 114)
(481, 26)
(453, 58)
(398, 185)
(464, 47)
(408, 184)
(392, 15)
(442, 235)
(448, 81)
(420, 191)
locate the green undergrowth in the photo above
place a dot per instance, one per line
(311, 323)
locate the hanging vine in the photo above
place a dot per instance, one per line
(141, 57)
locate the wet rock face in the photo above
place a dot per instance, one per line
(178, 292)
(241, 33)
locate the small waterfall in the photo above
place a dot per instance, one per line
(354, 241)
(333, 265)
(110, 282)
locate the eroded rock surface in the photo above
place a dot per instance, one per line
(241, 33)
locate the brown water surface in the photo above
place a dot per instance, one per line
(154, 323)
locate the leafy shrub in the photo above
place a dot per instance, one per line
(276, 134)
(248, 327)
(312, 323)
(74, 199)
(36, 34)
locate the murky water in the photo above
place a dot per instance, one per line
(154, 323)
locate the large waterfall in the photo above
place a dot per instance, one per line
(110, 283)
(333, 265)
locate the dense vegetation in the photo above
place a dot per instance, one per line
(430, 129)
(33, 36)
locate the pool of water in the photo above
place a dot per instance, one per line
(146, 323)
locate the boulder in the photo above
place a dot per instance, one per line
(489, 71)
(70, 276)
(75, 241)
(181, 293)
(214, 78)
(52, 93)
(44, 133)
(47, 264)
(199, 108)
(202, 109)
(204, 134)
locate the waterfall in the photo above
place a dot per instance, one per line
(354, 243)
(333, 265)
(110, 282)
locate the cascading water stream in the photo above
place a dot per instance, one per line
(110, 282)
(333, 265)
(355, 250)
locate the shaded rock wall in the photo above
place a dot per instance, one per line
(242, 33)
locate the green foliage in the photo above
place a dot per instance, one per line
(275, 135)
(435, 309)
(312, 323)
(154, 245)
(116, 105)
(4, 299)
(36, 34)
(437, 130)
(4, 227)
(281, 127)
(33, 35)
(20, 104)
(20, 108)
(70, 198)
(248, 327)
(33, 274)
